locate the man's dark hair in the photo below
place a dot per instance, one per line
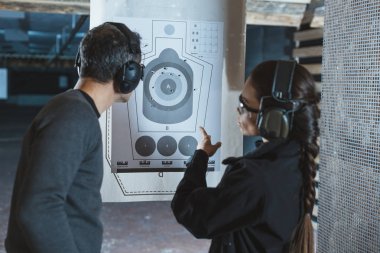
(105, 49)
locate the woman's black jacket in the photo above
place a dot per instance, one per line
(255, 207)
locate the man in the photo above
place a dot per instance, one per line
(56, 199)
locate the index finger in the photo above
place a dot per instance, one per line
(203, 132)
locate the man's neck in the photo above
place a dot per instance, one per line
(102, 93)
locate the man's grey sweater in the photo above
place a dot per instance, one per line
(56, 199)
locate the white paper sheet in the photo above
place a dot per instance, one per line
(149, 139)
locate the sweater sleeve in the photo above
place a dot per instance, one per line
(56, 152)
(208, 212)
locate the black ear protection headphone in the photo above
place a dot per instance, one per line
(275, 117)
(130, 73)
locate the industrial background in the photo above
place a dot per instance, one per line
(38, 44)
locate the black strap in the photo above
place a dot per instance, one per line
(283, 80)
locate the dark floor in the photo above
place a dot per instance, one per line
(143, 227)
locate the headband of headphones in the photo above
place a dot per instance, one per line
(283, 80)
(275, 118)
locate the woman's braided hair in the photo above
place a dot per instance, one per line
(306, 131)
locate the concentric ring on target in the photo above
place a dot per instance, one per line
(178, 89)
(168, 86)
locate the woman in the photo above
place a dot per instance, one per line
(264, 200)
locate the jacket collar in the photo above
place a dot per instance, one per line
(269, 150)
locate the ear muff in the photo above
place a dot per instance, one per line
(275, 118)
(130, 76)
(273, 123)
(131, 71)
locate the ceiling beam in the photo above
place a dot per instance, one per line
(274, 13)
(72, 34)
(27, 61)
(319, 18)
(304, 52)
(310, 34)
(49, 6)
(259, 12)
(312, 12)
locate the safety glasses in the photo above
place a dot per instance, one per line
(244, 107)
